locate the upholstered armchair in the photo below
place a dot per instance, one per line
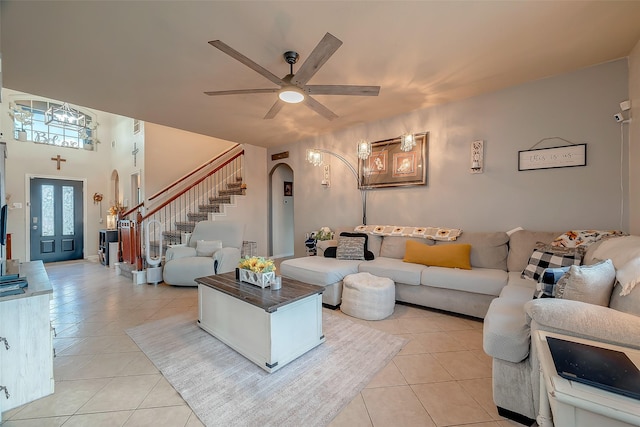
(214, 248)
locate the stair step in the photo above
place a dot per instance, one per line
(197, 217)
(185, 226)
(220, 200)
(214, 207)
(238, 184)
(232, 192)
(172, 236)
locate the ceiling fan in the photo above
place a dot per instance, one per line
(293, 87)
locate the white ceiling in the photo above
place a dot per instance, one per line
(150, 59)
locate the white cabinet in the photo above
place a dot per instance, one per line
(26, 367)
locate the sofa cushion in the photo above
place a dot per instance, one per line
(628, 303)
(350, 248)
(207, 247)
(487, 281)
(545, 256)
(394, 269)
(506, 334)
(394, 246)
(522, 243)
(318, 270)
(450, 256)
(588, 283)
(231, 233)
(183, 271)
(488, 250)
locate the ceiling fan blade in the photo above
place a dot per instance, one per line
(241, 91)
(275, 109)
(246, 61)
(319, 108)
(342, 90)
(320, 54)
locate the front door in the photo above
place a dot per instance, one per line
(56, 220)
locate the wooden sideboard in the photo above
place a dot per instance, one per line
(26, 342)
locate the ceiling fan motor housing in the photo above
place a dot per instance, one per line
(291, 57)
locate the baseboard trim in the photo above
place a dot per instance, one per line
(514, 416)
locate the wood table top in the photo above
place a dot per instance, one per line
(270, 301)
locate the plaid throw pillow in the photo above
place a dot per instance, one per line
(546, 287)
(545, 256)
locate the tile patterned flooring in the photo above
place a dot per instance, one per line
(440, 378)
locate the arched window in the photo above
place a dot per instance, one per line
(48, 122)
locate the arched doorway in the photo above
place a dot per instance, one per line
(281, 227)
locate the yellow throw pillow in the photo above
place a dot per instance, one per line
(449, 255)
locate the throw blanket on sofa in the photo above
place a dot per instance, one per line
(433, 233)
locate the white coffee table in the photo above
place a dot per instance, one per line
(270, 328)
(568, 403)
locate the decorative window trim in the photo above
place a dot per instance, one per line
(29, 116)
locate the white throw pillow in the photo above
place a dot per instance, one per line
(207, 247)
(588, 283)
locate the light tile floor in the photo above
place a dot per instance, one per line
(440, 378)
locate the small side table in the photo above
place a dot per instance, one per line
(568, 403)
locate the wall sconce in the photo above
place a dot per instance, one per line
(407, 142)
(364, 149)
(314, 157)
(477, 156)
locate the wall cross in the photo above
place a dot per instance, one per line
(134, 152)
(58, 159)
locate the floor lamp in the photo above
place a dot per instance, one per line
(314, 156)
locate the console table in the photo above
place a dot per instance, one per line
(26, 342)
(571, 404)
(270, 328)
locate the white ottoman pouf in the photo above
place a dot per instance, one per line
(368, 297)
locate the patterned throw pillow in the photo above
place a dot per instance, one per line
(546, 256)
(546, 287)
(350, 248)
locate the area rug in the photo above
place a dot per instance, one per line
(225, 389)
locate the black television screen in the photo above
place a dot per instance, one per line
(3, 225)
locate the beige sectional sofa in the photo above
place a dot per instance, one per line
(494, 290)
(467, 292)
(515, 316)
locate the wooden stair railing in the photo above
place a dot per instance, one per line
(131, 231)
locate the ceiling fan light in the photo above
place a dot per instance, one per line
(291, 95)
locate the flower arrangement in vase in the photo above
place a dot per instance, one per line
(256, 270)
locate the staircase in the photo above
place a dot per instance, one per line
(215, 207)
(202, 194)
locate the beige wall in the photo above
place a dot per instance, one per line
(27, 159)
(634, 138)
(171, 153)
(578, 107)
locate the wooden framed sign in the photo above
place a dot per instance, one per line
(555, 157)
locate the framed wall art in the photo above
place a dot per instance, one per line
(288, 188)
(389, 166)
(555, 157)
